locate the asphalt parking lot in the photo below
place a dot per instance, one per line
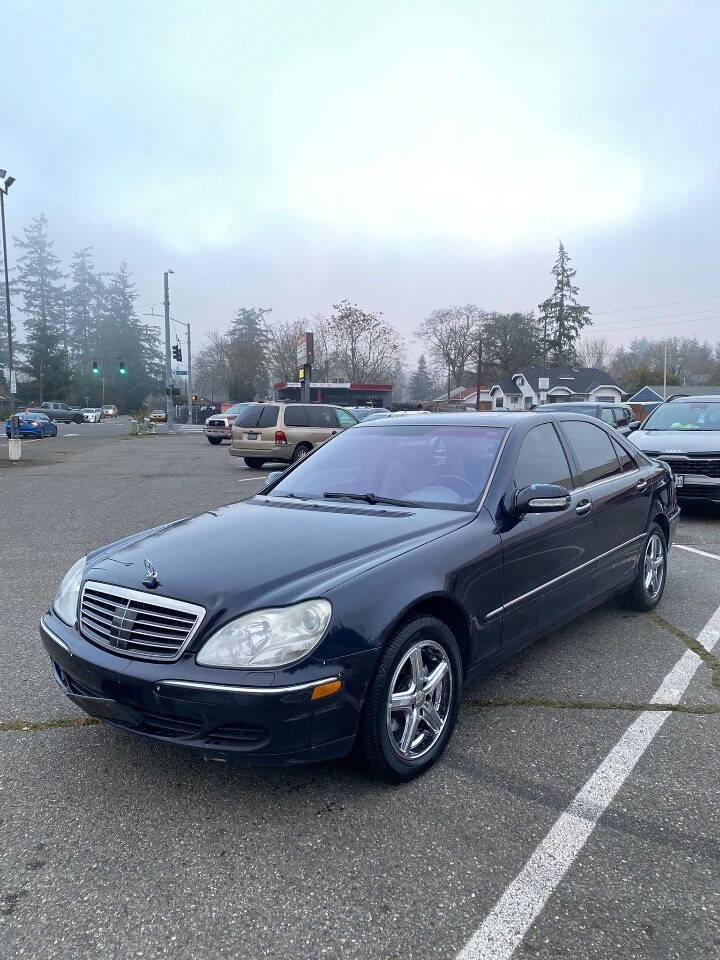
(116, 847)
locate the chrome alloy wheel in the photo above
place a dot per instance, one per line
(654, 566)
(420, 699)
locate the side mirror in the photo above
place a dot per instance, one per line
(541, 498)
(272, 477)
(634, 425)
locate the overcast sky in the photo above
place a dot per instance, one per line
(405, 155)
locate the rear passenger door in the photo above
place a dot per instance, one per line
(323, 423)
(548, 557)
(620, 495)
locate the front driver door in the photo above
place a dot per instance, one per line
(548, 557)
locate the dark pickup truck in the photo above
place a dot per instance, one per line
(60, 412)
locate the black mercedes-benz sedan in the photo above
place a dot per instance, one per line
(344, 606)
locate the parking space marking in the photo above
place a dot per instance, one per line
(702, 553)
(505, 927)
(245, 479)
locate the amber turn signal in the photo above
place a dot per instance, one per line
(326, 689)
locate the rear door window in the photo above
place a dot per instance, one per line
(626, 461)
(541, 459)
(323, 417)
(606, 415)
(622, 417)
(296, 416)
(593, 450)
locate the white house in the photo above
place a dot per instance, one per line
(522, 390)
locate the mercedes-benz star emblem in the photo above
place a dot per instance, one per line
(151, 580)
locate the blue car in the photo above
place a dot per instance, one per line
(35, 425)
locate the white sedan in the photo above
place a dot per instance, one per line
(92, 414)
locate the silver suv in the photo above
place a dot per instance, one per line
(685, 433)
(285, 432)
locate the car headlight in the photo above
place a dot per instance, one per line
(268, 638)
(65, 602)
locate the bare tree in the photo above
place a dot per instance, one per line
(283, 338)
(594, 352)
(365, 346)
(451, 335)
(211, 366)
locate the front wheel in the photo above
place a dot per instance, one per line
(649, 584)
(77, 419)
(412, 702)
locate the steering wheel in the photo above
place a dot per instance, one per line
(461, 486)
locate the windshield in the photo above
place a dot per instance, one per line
(691, 415)
(434, 466)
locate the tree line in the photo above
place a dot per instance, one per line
(81, 329)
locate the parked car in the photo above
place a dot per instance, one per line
(61, 412)
(618, 415)
(685, 433)
(92, 414)
(361, 588)
(109, 410)
(285, 432)
(361, 412)
(33, 425)
(218, 426)
(158, 416)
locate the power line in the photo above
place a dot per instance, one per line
(664, 316)
(663, 323)
(651, 306)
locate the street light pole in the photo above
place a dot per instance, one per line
(5, 184)
(169, 398)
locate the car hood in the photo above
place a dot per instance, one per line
(267, 551)
(676, 441)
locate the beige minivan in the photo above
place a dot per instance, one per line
(285, 431)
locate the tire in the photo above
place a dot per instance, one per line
(77, 419)
(643, 595)
(253, 462)
(214, 440)
(387, 742)
(300, 451)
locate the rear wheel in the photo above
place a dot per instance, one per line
(412, 703)
(649, 584)
(78, 418)
(214, 440)
(300, 451)
(253, 463)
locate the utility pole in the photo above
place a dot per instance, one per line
(478, 378)
(189, 377)
(665, 370)
(5, 184)
(169, 396)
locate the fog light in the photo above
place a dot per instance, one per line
(326, 689)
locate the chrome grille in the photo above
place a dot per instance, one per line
(217, 423)
(136, 624)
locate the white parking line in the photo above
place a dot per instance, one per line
(517, 909)
(702, 553)
(245, 479)
(71, 434)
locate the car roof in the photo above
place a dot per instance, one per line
(581, 403)
(475, 419)
(705, 398)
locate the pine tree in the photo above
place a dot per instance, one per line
(248, 351)
(82, 309)
(40, 284)
(4, 358)
(421, 382)
(562, 314)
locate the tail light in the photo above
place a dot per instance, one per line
(280, 437)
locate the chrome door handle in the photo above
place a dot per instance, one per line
(583, 507)
(641, 485)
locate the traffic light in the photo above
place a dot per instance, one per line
(194, 398)
(123, 368)
(96, 369)
(177, 352)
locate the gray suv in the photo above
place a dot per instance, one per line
(685, 433)
(60, 412)
(285, 432)
(618, 415)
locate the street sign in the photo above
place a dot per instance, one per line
(13, 382)
(304, 349)
(180, 373)
(543, 383)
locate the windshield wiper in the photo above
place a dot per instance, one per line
(370, 498)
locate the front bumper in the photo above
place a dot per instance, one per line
(225, 433)
(698, 487)
(166, 701)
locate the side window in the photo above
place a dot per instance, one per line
(541, 459)
(606, 415)
(346, 419)
(622, 419)
(322, 417)
(296, 416)
(593, 450)
(626, 461)
(268, 417)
